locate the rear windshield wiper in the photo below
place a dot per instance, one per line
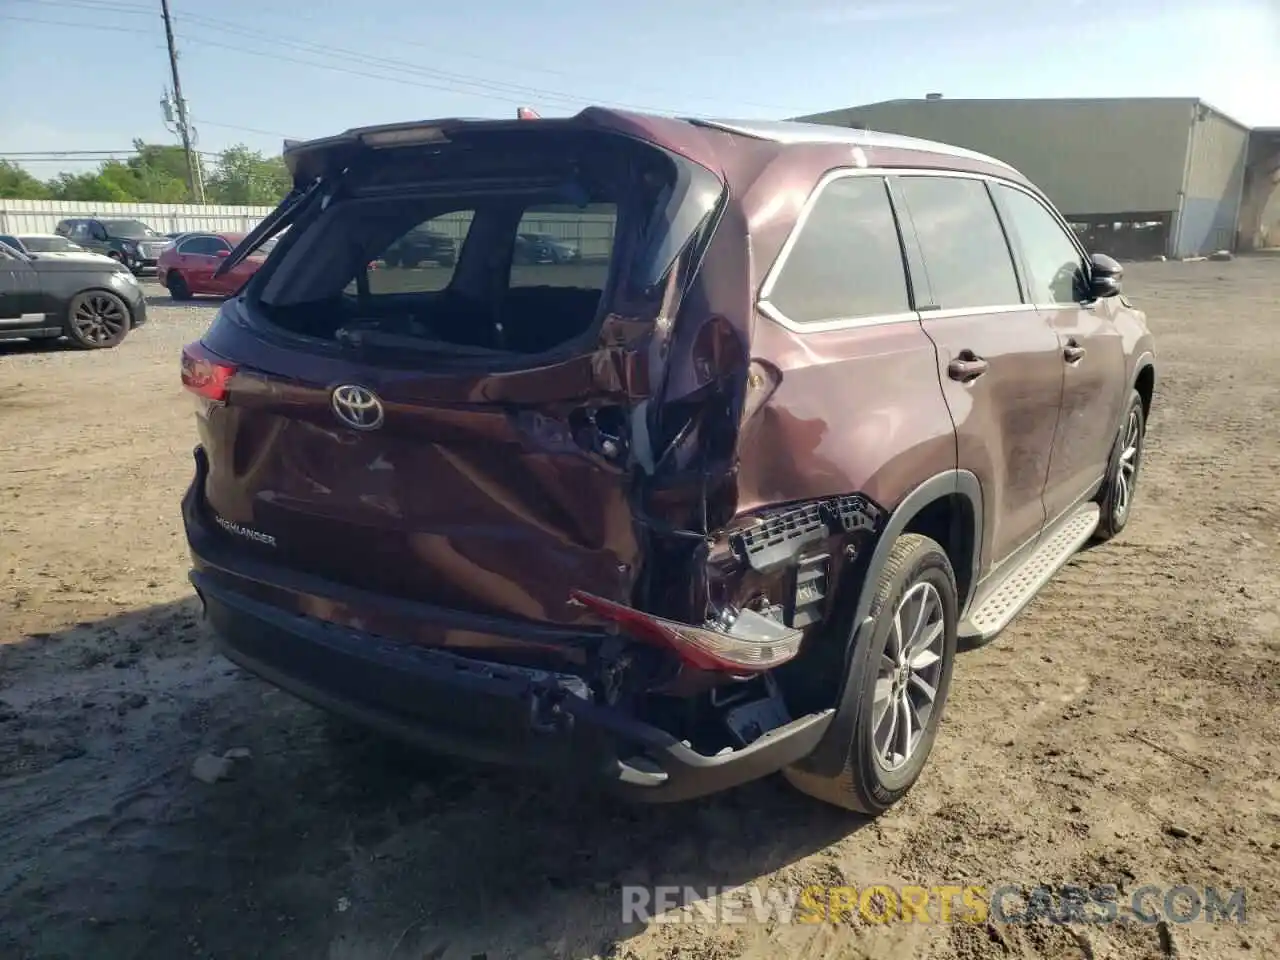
(291, 207)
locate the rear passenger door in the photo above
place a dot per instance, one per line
(1091, 350)
(82, 233)
(998, 359)
(857, 407)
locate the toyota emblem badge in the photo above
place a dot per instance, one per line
(358, 407)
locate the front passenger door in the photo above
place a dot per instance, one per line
(197, 263)
(998, 360)
(19, 291)
(1092, 354)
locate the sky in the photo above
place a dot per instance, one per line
(88, 75)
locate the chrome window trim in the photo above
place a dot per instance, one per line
(839, 323)
(770, 310)
(927, 315)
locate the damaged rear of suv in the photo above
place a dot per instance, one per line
(613, 515)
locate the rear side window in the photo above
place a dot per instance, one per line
(201, 246)
(966, 256)
(562, 246)
(846, 262)
(1054, 265)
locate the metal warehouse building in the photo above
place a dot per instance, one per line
(1136, 177)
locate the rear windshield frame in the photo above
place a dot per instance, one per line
(682, 212)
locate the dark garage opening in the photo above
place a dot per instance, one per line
(1125, 236)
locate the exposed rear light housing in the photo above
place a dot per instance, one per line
(742, 643)
(205, 373)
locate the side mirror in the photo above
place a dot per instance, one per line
(223, 253)
(1104, 276)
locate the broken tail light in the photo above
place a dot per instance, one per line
(204, 373)
(746, 642)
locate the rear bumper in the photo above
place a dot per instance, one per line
(484, 711)
(493, 712)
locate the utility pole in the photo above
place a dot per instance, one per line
(194, 180)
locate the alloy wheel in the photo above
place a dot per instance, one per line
(908, 675)
(100, 319)
(1127, 467)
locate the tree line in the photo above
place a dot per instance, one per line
(157, 173)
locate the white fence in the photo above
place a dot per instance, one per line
(591, 231)
(41, 216)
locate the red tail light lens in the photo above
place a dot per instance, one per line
(205, 373)
(748, 642)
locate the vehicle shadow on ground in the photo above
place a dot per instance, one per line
(324, 840)
(17, 348)
(161, 298)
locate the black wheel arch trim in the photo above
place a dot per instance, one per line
(828, 757)
(1146, 361)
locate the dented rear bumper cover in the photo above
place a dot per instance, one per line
(484, 711)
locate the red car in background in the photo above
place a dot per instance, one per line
(187, 266)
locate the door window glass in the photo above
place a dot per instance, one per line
(966, 256)
(201, 246)
(1053, 261)
(846, 262)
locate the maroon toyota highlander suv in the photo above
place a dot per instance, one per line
(716, 498)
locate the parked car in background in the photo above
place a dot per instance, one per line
(49, 245)
(420, 246)
(93, 302)
(838, 401)
(130, 242)
(543, 248)
(187, 267)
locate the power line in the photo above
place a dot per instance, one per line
(549, 94)
(135, 9)
(61, 153)
(279, 57)
(233, 126)
(89, 26)
(451, 81)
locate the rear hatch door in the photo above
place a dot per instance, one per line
(475, 477)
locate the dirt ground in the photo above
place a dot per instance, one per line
(1124, 730)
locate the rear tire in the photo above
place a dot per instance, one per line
(178, 288)
(1124, 466)
(97, 319)
(899, 682)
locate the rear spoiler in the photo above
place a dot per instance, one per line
(308, 160)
